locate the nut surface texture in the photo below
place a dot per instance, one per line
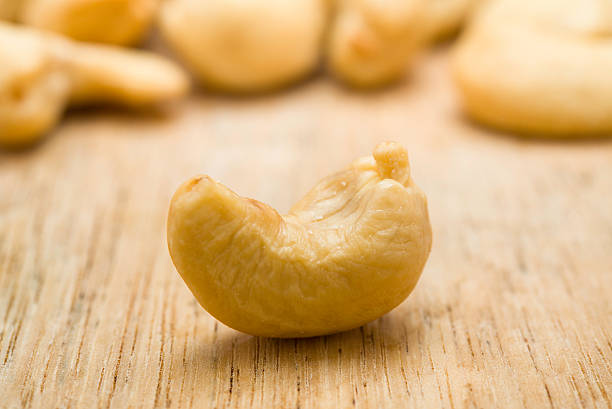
(120, 22)
(350, 251)
(246, 45)
(542, 68)
(42, 73)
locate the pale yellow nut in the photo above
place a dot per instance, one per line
(34, 87)
(372, 42)
(350, 251)
(120, 22)
(42, 73)
(245, 45)
(542, 68)
(114, 75)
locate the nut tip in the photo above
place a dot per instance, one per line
(392, 162)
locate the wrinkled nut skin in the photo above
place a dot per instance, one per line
(119, 22)
(540, 70)
(350, 251)
(245, 46)
(42, 73)
(372, 43)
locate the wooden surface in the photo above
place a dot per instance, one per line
(513, 310)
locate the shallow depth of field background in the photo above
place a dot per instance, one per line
(513, 308)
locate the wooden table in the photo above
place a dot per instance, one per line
(513, 310)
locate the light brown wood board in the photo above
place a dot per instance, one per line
(513, 310)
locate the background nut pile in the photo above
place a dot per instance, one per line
(501, 65)
(42, 73)
(543, 68)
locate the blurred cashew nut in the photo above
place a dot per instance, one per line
(246, 45)
(120, 22)
(540, 68)
(372, 42)
(42, 73)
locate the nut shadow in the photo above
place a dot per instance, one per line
(466, 121)
(155, 115)
(239, 363)
(17, 151)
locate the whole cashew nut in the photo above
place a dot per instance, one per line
(120, 22)
(350, 251)
(42, 73)
(246, 45)
(542, 68)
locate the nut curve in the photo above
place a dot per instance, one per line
(350, 251)
(42, 73)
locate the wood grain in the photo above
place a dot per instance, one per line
(513, 310)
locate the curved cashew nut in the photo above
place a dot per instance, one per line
(42, 73)
(350, 251)
(120, 22)
(542, 68)
(246, 46)
(372, 42)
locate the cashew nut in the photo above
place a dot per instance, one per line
(246, 45)
(120, 22)
(372, 42)
(42, 73)
(541, 68)
(350, 251)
